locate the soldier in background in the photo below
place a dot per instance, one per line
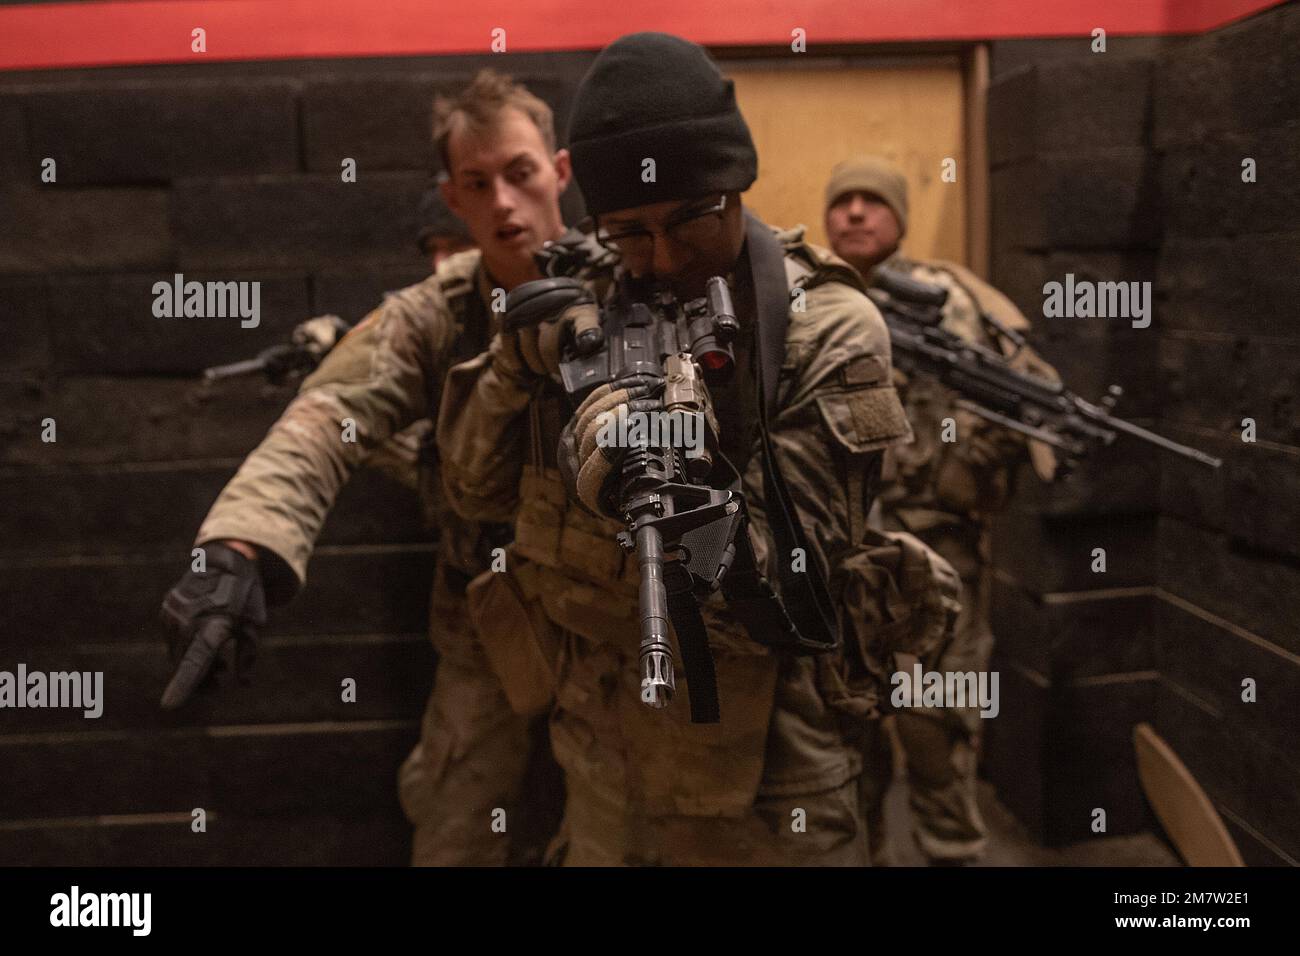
(442, 233)
(384, 375)
(943, 493)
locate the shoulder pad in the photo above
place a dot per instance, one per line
(417, 295)
(822, 264)
(455, 274)
(988, 299)
(792, 237)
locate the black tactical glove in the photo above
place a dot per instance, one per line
(204, 612)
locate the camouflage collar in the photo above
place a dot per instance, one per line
(895, 261)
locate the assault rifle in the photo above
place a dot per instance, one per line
(991, 388)
(309, 343)
(645, 337)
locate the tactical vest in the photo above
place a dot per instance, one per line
(578, 572)
(558, 533)
(465, 547)
(559, 629)
(586, 581)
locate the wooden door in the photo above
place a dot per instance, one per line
(805, 119)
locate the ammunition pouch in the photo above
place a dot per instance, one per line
(521, 645)
(554, 532)
(899, 598)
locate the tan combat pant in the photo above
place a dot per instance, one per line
(620, 758)
(941, 750)
(473, 758)
(598, 832)
(620, 806)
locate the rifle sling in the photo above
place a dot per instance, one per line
(799, 619)
(693, 641)
(806, 599)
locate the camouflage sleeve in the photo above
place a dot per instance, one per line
(399, 457)
(482, 438)
(839, 410)
(374, 383)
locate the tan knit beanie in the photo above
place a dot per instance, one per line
(871, 174)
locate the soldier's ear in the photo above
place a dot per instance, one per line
(563, 169)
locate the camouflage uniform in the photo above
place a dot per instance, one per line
(386, 374)
(936, 491)
(647, 786)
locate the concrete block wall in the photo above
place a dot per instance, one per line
(224, 172)
(1229, 349)
(1127, 166)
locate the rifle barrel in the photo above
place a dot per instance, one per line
(1137, 431)
(982, 379)
(245, 367)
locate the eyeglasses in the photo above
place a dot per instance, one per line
(697, 228)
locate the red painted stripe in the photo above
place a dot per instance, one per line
(41, 36)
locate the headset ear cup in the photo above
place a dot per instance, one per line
(539, 313)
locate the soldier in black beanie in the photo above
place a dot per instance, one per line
(662, 155)
(658, 96)
(656, 123)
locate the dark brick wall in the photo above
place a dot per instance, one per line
(228, 171)
(1127, 166)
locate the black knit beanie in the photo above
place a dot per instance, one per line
(655, 96)
(435, 219)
